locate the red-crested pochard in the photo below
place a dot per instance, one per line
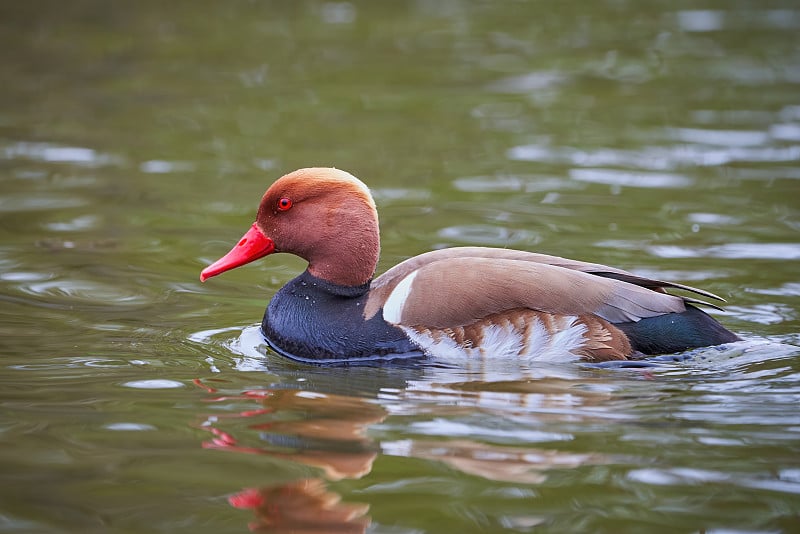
(450, 304)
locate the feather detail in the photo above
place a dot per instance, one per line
(524, 334)
(459, 292)
(518, 334)
(454, 259)
(650, 283)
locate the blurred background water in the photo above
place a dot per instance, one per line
(137, 138)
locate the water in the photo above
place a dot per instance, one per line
(136, 140)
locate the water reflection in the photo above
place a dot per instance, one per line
(301, 506)
(491, 430)
(524, 465)
(341, 437)
(323, 431)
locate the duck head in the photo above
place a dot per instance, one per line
(326, 216)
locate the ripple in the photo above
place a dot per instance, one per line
(778, 18)
(713, 218)
(156, 166)
(790, 289)
(622, 244)
(630, 179)
(528, 83)
(84, 222)
(509, 183)
(762, 313)
(700, 20)
(106, 362)
(757, 251)
(738, 357)
(785, 132)
(156, 383)
(657, 157)
(400, 193)
(38, 201)
(249, 346)
(53, 153)
(338, 13)
(763, 154)
(683, 476)
(674, 476)
(790, 113)
(82, 292)
(489, 235)
(128, 427)
(22, 276)
(252, 348)
(651, 158)
(731, 116)
(497, 110)
(449, 428)
(726, 138)
(75, 363)
(766, 174)
(205, 336)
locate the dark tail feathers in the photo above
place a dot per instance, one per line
(676, 332)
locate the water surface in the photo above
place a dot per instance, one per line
(136, 140)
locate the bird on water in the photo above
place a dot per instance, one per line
(451, 304)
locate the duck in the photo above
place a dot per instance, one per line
(449, 305)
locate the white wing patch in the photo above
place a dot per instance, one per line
(393, 308)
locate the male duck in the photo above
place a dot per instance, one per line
(448, 304)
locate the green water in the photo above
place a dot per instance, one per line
(137, 138)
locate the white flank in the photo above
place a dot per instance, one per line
(393, 308)
(505, 342)
(499, 342)
(570, 339)
(445, 348)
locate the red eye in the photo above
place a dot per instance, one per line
(284, 204)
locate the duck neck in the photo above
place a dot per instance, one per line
(347, 262)
(345, 271)
(347, 291)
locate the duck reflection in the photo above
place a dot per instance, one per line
(329, 432)
(319, 430)
(325, 431)
(503, 464)
(301, 506)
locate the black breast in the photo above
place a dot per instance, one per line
(312, 320)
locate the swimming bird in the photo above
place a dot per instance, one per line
(450, 304)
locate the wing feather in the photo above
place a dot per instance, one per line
(458, 291)
(645, 301)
